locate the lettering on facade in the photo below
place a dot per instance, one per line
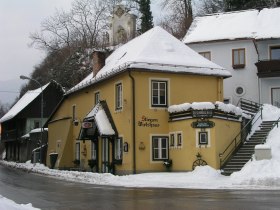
(202, 113)
(148, 122)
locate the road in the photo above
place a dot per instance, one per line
(49, 193)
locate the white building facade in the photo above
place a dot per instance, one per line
(246, 43)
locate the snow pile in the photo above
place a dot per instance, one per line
(6, 204)
(228, 108)
(264, 172)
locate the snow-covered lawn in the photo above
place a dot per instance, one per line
(263, 174)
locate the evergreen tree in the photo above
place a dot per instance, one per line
(234, 5)
(146, 17)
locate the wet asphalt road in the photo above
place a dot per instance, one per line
(49, 193)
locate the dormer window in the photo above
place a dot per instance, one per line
(238, 58)
(275, 53)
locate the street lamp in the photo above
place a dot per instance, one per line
(42, 103)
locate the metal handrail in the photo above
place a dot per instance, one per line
(249, 101)
(273, 125)
(237, 142)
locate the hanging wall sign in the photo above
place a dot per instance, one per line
(203, 124)
(202, 113)
(87, 125)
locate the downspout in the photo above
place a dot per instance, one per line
(259, 87)
(133, 121)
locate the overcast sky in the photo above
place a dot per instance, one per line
(19, 18)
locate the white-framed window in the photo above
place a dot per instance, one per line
(118, 99)
(77, 151)
(74, 112)
(96, 97)
(238, 58)
(206, 55)
(118, 148)
(203, 138)
(172, 140)
(179, 139)
(159, 93)
(159, 148)
(93, 151)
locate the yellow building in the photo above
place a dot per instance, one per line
(120, 120)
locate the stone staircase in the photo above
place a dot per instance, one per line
(246, 150)
(249, 107)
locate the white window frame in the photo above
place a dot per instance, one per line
(93, 151)
(167, 93)
(159, 148)
(172, 144)
(198, 131)
(118, 147)
(118, 96)
(177, 139)
(77, 151)
(96, 97)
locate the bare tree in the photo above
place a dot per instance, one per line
(179, 18)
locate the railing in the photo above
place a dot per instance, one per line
(273, 125)
(238, 140)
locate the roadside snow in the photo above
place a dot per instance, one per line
(6, 204)
(263, 174)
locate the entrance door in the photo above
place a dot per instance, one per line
(275, 97)
(105, 155)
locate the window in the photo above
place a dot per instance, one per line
(238, 58)
(275, 53)
(172, 140)
(118, 96)
(77, 151)
(74, 112)
(36, 124)
(96, 97)
(160, 148)
(93, 150)
(275, 97)
(179, 139)
(118, 148)
(159, 93)
(206, 55)
(203, 138)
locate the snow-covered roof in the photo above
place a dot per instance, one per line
(155, 50)
(102, 122)
(228, 108)
(248, 24)
(26, 99)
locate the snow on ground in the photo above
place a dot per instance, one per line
(263, 174)
(6, 204)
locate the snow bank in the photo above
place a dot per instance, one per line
(6, 204)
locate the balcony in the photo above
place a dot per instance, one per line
(268, 68)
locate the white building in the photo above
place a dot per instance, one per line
(247, 43)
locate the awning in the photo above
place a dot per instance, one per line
(98, 119)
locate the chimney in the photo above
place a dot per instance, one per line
(98, 58)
